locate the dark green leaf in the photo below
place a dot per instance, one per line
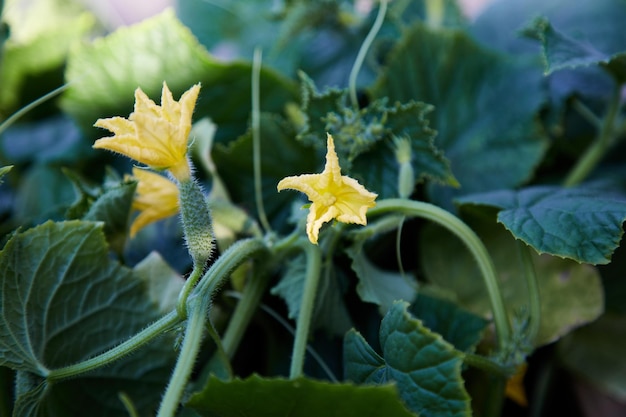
(596, 353)
(277, 397)
(113, 208)
(457, 326)
(378, 286)
(488, 147)
(55, 139)
(64, 300)
(111, 203)
(561, 51)
(105, 74)
(582, 223)
(163, 284)
(330, 310)
(44, 193)
(281, 156)
(570, 294)
(425, 368)
(364, 137)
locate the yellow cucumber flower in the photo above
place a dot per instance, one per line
(333, 196)
(154, 135)
(156, 198)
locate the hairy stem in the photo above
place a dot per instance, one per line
(198, 314)
(156, 329)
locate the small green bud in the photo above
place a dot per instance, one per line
(406, 180)
(196, 220)
(406, 176)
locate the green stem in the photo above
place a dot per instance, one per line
(256, 137)
(600, 145)
(586, 113)
(237, 253)
(471, 241)
(495, 396)
(21, 112)
(246, 306)
(486, 365)
(534, 299)
(181, 306)
(313, 267)
(365, 46)
(198, 304)
(156, 329)
(198, 314)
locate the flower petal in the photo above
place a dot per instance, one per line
(318, 215)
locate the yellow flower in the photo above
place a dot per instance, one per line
(515, 386)
(333, 196)
(154, 135)
(156, 199)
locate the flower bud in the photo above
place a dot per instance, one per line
(406, 174)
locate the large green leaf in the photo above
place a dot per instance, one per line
(582, 223)
(570, 293)
(425, 368)
(64, 300)
(105, 73)
(302, 397)
(596, 353)
(485, 106)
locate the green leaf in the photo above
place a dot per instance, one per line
(44, 193)
(570, 294)
(364, 137)
(105, 74)
(52, 140)
(582, 223)
(281, 156)
(330, 310)
(487, 148)
(425, 368)
(378, 286)
(233, 30)
(276, 397)
(596, 353)
(111, 203)
(41, 36)
(63, 300)
(163, 284)
(574, 41)
(561, 51)
(457, 326)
